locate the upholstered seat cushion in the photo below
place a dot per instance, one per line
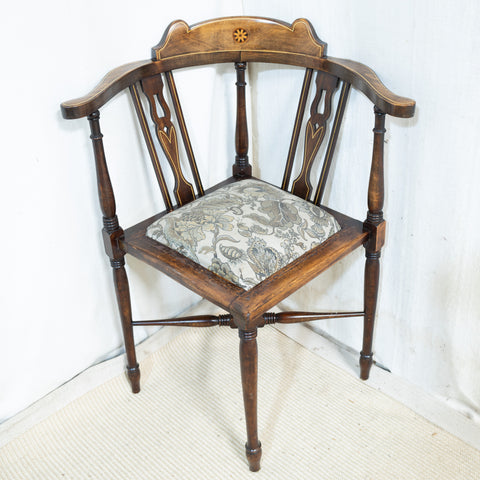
(245, 231)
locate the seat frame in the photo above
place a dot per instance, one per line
(241, 40)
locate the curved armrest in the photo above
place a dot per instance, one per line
(359, 75)
(365, 79)
(113, 82)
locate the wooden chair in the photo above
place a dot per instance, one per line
(237, 244)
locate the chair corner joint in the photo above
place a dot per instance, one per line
(376, 238)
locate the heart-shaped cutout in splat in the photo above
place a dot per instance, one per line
(313, 139)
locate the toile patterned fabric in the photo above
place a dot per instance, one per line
(245, 231)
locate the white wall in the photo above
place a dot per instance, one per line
(58, 306)
(57, 299)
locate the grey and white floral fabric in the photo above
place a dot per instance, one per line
(245, 231)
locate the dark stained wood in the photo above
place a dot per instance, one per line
(372, 247)
(226, 320)
(295, 317)
(185, 271)
(167, 136)
(315, 132)
(123, 299)
(196, 321)
(240, 40)
(183, 130)
(253, 303)
(284, 282)
(296, 128)
(147, 135)
(366, 80)
(241, 168)
(249, 370)
(112, 83)
(372, 275)
(223, 35)
(104, 184)
(360, 76)
(111, 234)
(376, 185)
(208, 46)
(342, 102)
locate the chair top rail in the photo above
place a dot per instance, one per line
(239, 36)
(240, 39)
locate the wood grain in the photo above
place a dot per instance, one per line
(217, 36)
(167, 136)
(240, 40)
(269, 41)
(315, 131)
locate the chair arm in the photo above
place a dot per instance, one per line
(365, 79)
(359, 75)
(113, 82)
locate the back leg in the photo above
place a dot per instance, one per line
(376, 225)
(372, 272)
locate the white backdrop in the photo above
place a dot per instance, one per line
(58, 306)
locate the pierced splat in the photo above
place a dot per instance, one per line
(167, 136)
(315, 131)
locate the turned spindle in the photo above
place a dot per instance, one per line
(111, 234)
(375, 224)
(241, 167)
(249, 370)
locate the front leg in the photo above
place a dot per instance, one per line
(249, 369)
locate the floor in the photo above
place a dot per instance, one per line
(433, 409)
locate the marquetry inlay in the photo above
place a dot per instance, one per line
(240, 35)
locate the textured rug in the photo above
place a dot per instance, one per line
(315, 422)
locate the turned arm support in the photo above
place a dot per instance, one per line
(366, 80)
(113, 82)
(112, 231)
(375, 223)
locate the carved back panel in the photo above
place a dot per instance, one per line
(318, 127)
(315, 131)
(167, 137)
(238, 38)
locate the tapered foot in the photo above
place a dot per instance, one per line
(366, 362)
(133, 374)
(254, 456)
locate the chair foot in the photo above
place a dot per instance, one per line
(253, 456)
(133, 374)
(366, 362)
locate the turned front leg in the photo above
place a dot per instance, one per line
(111, 235)
(249, 369)
(124, 306)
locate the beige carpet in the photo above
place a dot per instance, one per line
(316, 422)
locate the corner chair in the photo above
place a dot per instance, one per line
(244, 244)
